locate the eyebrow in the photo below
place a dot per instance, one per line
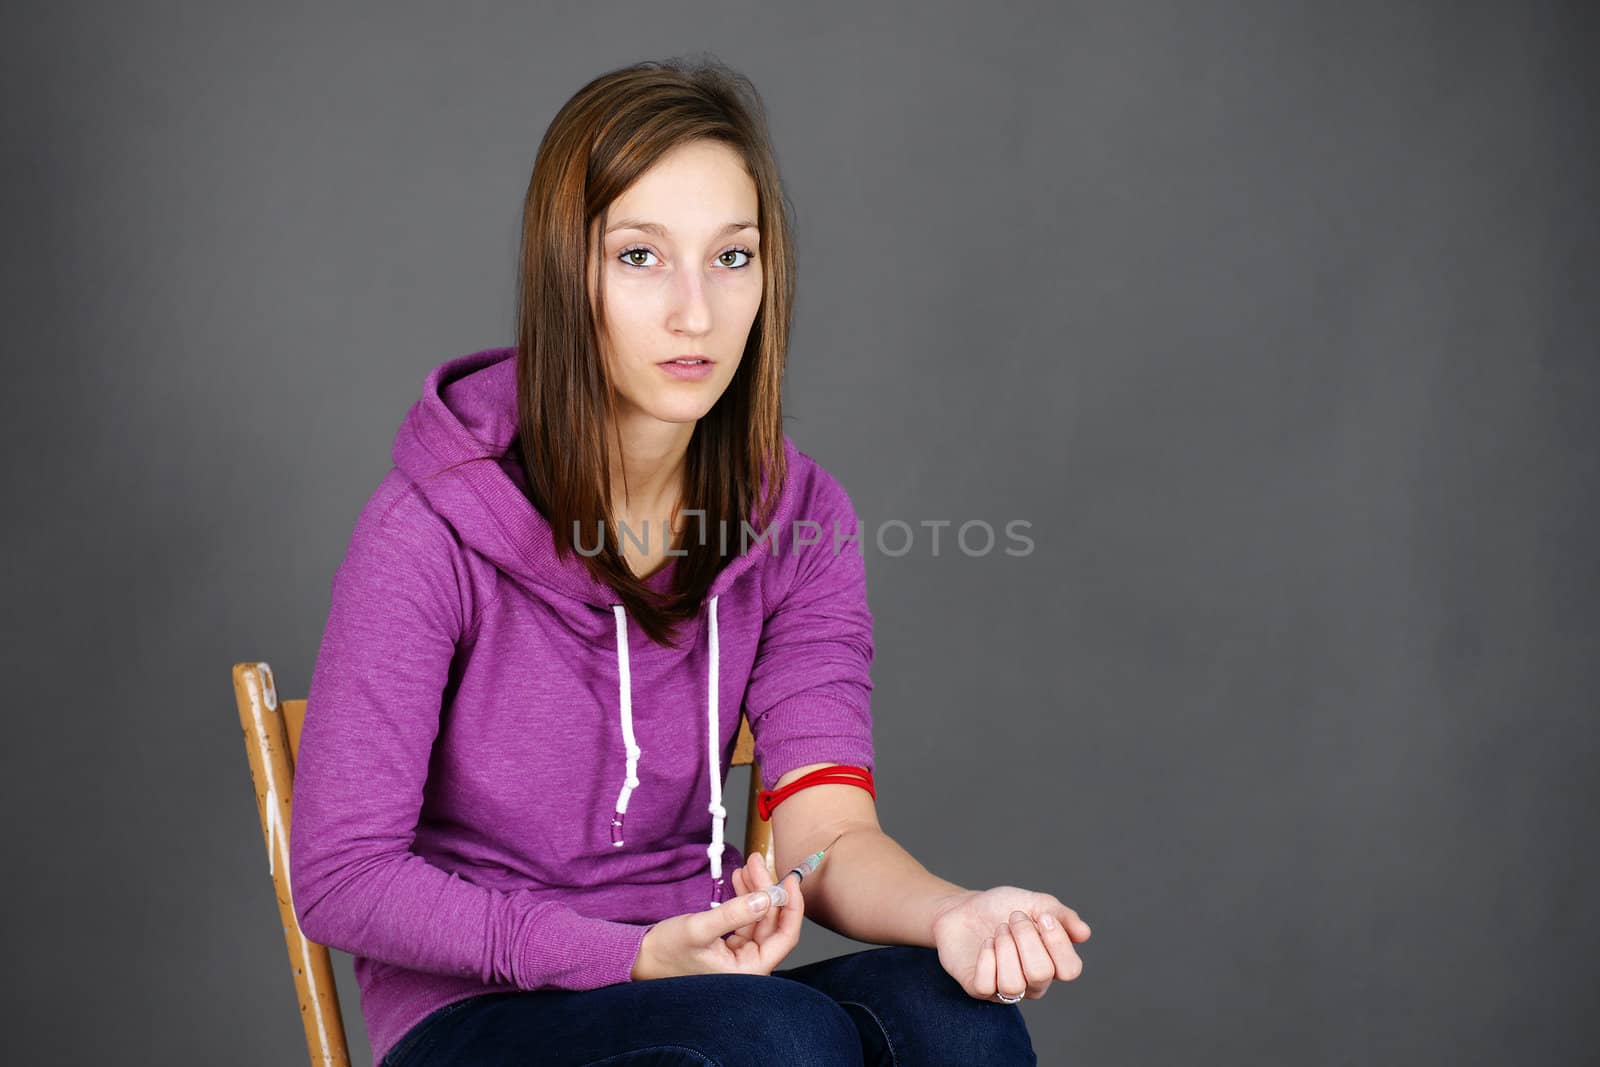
(661, 231)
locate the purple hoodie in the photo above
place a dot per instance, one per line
(482, 715)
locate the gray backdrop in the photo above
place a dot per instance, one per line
(1276, 321)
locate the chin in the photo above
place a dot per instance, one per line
(681, 409)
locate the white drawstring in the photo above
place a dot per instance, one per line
(714, 761)
(713, 756)
(625, 681)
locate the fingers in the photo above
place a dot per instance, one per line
(1068, 964)
(751, 923)
(792, 912)
(761, 878)
(731, 915)
(758, 862)
(983, 981)
(1037, 964)
(1008, 976)
(786, 935)
(1069, 919)
(741, 886)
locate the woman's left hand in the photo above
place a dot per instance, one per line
(1008, 940)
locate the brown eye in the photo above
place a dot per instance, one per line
(627, 256)
(745, 252)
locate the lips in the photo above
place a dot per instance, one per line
(691, 369)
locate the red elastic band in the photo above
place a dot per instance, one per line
(767, 799)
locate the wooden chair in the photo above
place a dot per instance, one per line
(272, 741)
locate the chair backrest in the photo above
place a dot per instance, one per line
(272, 743)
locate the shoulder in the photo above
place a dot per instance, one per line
(817, 543)
(401, 546)
(398, 513)
(819, 495)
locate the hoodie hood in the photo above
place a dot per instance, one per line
(467, 411)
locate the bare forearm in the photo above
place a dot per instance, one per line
(871, 889)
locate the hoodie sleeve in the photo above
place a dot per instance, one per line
(809, 689)
(401, 601)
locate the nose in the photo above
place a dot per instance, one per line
(690, 312)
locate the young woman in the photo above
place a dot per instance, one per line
(595, 548)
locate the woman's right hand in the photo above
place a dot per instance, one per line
(694, 943)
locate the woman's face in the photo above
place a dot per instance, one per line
(682, 265)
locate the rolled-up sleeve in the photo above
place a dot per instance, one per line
(808, 697)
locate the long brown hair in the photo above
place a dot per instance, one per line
(607, 135)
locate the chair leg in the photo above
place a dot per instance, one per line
(266, 743)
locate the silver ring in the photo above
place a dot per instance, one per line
(1002, 998)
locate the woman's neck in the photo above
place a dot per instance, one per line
(652, 457)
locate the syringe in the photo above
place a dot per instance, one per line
(779, 895)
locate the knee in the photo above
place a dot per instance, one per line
(930, 1019)
(790, 1023)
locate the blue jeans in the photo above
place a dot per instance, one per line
(892, 1006)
